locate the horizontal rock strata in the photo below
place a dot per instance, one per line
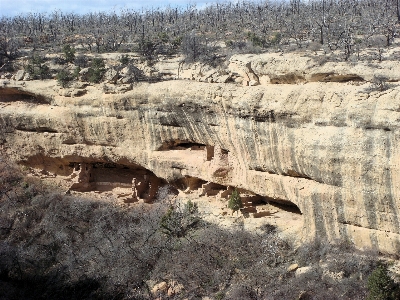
(331, 149)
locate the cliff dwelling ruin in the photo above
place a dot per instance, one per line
(131, 183)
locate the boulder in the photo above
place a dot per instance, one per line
(130, 74)
(303, 271)
(127, 79)
(265, 80)
(27, 77)
(292, 267)
(174, 288)
(129, 70)
(79, 85)
(253, 82)
(207, 75)
(113, 89)
(107, 88)
(123, 88)
(111, 76)
(223, 78)
(20, 75)
(245, 70)
(159, 288)
(84, 74)
(65, 92)
(238, 80)
(4, 83)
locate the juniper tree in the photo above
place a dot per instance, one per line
(235, 202)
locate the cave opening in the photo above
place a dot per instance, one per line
(287, 206)
(181, 145)
(254, 205)
(282, 204)
(129, 182)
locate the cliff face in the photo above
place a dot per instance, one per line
(331, 149)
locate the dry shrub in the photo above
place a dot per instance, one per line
(65, 247)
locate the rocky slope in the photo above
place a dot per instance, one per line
(328, 146)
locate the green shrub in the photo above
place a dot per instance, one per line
(176, 43)
(95, 75)
(148, 49)
(235, 202)
(276, 38)
(124, 60)
(75, 75)
(81, 61)
(163, 37)
(69, 53)
(256, 40)
(36, 67)
(381, 286)
(220, 295)
(96, 71)
(229, 43)
(98, 63)
(64, 78)
(190, 208)
(177, 222)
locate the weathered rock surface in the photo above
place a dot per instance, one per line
(111, 76)
(288, 69)
(330, 148)
(84, 74)
(269, 68)
(19, 75)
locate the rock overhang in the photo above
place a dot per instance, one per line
(330, 151)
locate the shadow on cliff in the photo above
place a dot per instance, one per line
(14, 94)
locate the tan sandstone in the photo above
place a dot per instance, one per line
(331, 148)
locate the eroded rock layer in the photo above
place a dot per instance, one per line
(331, 149)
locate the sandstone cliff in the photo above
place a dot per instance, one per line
(330, 148)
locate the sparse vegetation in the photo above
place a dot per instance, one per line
(344, 26)
(256, 40)
(60, 246)
(64, 78)
(380, 83)
(75, 74)
(124, 60)
(176, 222)
(96, 70)
(235, 202)
(64, 247)
(81, 61)
(69, 53)
(36, 68)
(381, 286)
